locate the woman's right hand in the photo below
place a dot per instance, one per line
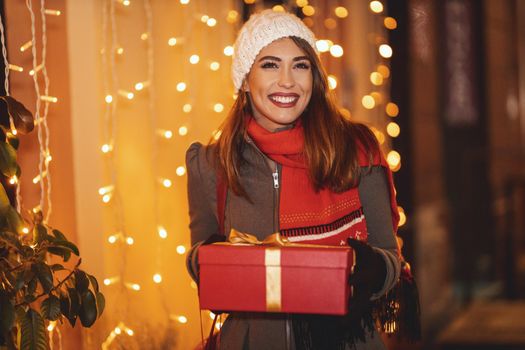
(192, 259)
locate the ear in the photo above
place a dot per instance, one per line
(245, 86)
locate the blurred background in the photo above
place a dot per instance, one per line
(121, 88)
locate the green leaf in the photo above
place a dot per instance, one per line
(88, 309)
(51, 308)
(24, 277)
(3, 135)
(59, 235)
(81, 281)
(65, 304)
(22, 117)
(68, 245)
(39, 233)
(29, 298)
(74, 308)
(45, 276)
(57, 267)
(101, 303)
(4, 201)
(74, 297)
(8, 165)
(14, 141)
(94, 282)
(33, 331)
(65, 253)
(12, 238)
(14, 220)
(20, 313)
(7, 312)
(20, 281)
(31, 286)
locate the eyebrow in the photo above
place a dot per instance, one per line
(274, 58)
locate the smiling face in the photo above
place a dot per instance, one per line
(279, 84)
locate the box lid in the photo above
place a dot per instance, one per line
(324, 257)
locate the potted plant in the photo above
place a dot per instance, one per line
(35, 287)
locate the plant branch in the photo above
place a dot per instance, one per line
(60, 283)
(68, 276)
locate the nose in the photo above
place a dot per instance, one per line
(286, 79)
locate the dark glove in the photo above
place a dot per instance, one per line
(192, 260)
(368, 276)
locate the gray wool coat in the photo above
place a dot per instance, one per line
(263, 331)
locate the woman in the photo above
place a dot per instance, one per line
(292, 164)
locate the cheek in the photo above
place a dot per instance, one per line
(306, 82)
(307, 88)
(259, 81)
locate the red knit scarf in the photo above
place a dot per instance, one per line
(307, 216)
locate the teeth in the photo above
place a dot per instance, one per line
(283, 99)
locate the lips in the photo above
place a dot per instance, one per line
(284, 100)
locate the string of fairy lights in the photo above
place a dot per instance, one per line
(114, 92)
(44, 174)
(111, 192)
(44, 177)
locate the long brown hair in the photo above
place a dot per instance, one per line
(330, 141)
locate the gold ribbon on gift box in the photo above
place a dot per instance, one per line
(272, 263)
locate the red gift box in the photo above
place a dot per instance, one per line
(302, 279)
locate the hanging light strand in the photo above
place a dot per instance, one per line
(38, 118)
(46, 157)
(113, 124)
(4, 54)
(153, 124)
(6, 86)
(111, 86)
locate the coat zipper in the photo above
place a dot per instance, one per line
(275, 175)
(276, 186)
(274, 167)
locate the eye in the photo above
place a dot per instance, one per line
(269, 64)
(303, 65)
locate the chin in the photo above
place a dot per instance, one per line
(286, 121)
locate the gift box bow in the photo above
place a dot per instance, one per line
(240, 238)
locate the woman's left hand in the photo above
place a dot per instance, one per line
(368, 276)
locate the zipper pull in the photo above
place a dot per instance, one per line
(275, 175)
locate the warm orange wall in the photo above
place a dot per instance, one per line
(18, 28)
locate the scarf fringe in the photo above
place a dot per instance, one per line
(399, 312)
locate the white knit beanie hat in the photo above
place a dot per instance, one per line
(259, 31)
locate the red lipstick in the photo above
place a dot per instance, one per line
(284, 100)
